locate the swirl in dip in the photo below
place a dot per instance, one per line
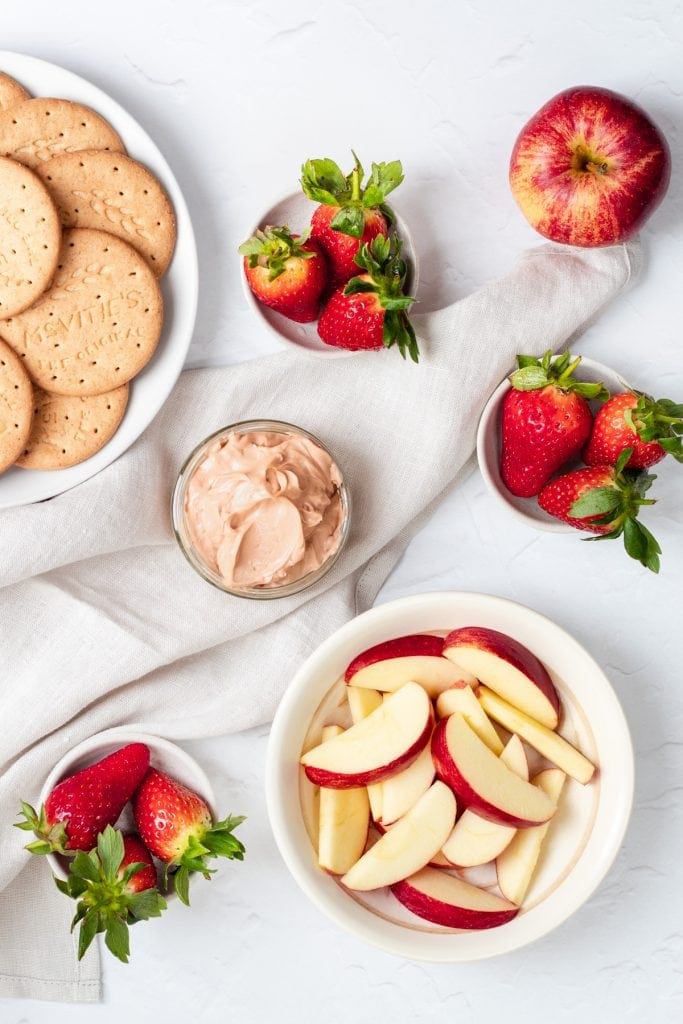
(263, 509)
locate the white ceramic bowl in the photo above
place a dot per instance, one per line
(295, 211)
(588, 830)
(527, 510)
(163, 755)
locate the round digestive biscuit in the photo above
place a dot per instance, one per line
(99, 322)
(16, 406)
(111, 192)
(11, 92)
(68, 429)
(30, 237)
(37, 130)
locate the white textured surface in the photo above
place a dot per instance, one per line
(237, 94)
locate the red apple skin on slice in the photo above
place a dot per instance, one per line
(401, 647)
(507, 667)
(443, 899)
(435, 674)
(481, 781)
(385, 742)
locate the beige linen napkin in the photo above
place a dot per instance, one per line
(104, 623)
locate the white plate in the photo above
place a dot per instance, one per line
(295, 212)
(527, 510)
(591, 822)
(151, 388)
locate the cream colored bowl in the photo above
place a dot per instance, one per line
(590, 825)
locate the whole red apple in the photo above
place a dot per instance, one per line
(589, 168)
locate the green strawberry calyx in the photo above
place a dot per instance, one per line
(50, 838)
(98, 883)
(273, 246)
(617, 505)
(215, 841)
(385, 276)
(657, 420)
(324, 182)
(532, 374)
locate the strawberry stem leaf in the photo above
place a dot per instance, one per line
(49, 838)
(533, 373)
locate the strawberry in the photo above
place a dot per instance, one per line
(546, 421)
(286, 272)
(606, 500)
(634, 420)
(82, 805)
(350, 215)
(116, 886)
(176, 825)
(370, 311)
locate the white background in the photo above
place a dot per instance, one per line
(237, 94)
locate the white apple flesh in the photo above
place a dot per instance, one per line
(435, 674)
(462, 699)
(389, 739)
(343, 822)
(445, 900)
(481, 781)
(362, 703)
(401, 791)
(515, 866)
(507, 667)
(548, 743)
(474, 840)
(408, 845)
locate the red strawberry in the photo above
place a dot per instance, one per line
(116, 886)
(634, 420)
(176, 825)
(546, 421)
(81, 806)
(350, 215)
(135, 852)
(370, 312)
(286, 272)
(341, 249)
(605, 500)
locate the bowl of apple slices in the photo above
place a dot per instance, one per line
(449, 776)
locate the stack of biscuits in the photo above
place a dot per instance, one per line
(85, 235)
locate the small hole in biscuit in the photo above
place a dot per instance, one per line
(95, 431)
(81, 381)
(54, 378)
(153, 257)
(138, 345)
(116, 168)
(115, 323)
(66, 417)
(98, 296)
(75, 210)
(47, 113)
(63, 451)
(120, 193)
(81, 164)
(83, 124)
(71, 245)
(146, 309)
(23, 186)
(61, 135)
(94, 362)
(49, 177)
(118, 368)
(145, 191)
(108, 407)
(51, 314)
(106, 249)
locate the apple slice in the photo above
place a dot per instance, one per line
(516, 864)
(483, 782)
(446, 900)
(343, 822)
(434, 674)
(383, 743)
(403, 790)
(409, 844)
(462, 699)
(507, 667)
(400, 647)
(474, 840)
(548, 743)
(362, 703)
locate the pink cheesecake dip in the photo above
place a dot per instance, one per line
(263, 509)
